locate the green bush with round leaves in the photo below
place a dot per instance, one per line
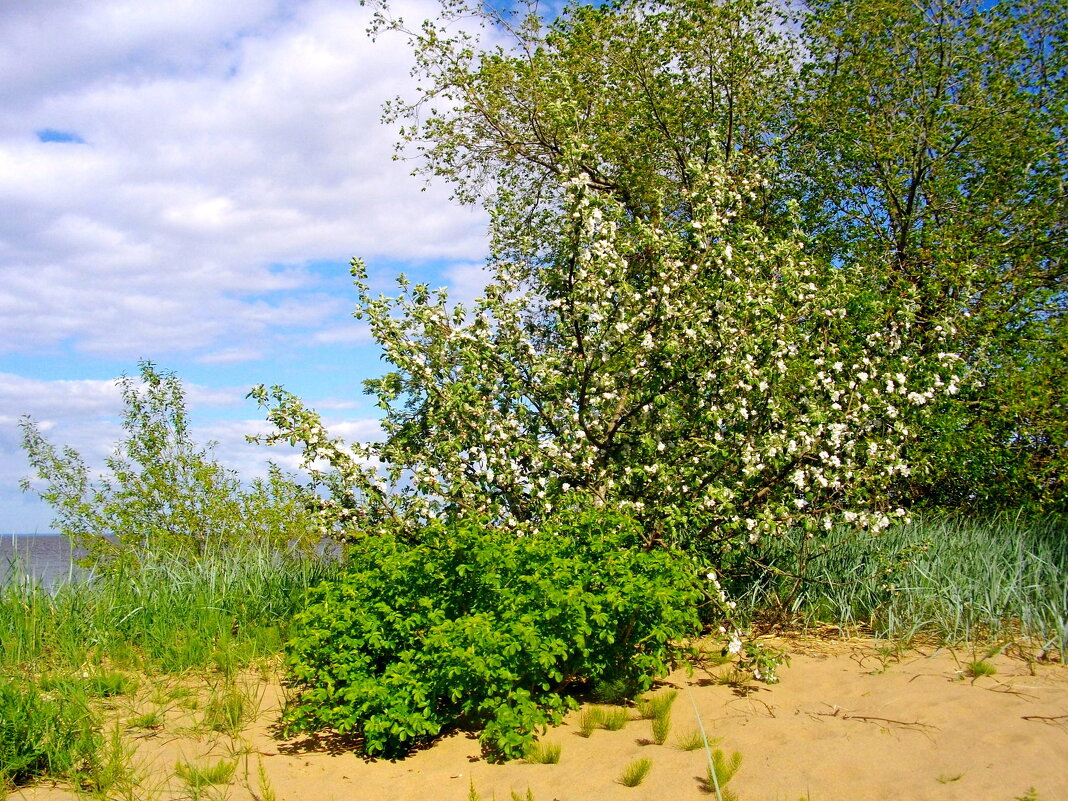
(475, 628)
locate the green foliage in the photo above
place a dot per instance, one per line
(476, 627)
(44, 734)
(163, 493)
(931, 140)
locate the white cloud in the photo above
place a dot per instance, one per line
(220, 143)
(347, 333)
(466, 281)
(224, 161)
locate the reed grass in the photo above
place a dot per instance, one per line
(164, 615)
(956, 579)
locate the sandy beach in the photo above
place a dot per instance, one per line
(851, 720)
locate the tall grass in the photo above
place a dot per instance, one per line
(59, 645)
(954, 578)
(160, 615)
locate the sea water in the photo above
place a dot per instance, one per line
(43, 558)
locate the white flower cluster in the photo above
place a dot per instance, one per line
(702, 374)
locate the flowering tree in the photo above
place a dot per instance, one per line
(923, 141)
(709, 380)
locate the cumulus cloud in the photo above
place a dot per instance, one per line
(186, 181)
(217, 148)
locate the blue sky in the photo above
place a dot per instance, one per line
(185, 181)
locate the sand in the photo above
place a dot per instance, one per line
(848, 722)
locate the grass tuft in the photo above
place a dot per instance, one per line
(614, 718)
(589, 721)
(980, 667)
(543, 753)
(635, 773)
(200, 776)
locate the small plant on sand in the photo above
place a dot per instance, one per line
(528, 797)
(589, 720)
(721, 770)
(151, 721)
(197, 777)
(614, 718)
(980, 667)
(635, 773)
(111, 684)
(228, 711)
(267, 792)
(691, 740)
(543, 753)
(113, 774)
(658, 708)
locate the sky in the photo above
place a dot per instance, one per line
(185, 181)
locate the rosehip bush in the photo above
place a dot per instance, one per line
(473, 627)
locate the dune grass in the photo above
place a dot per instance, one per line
(65, 649)
(166, 615)
(956, 579)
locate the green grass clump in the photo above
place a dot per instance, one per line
(589, 720)
(200, 776)
(543, 753)
(721, 770)
(614, 718)
(658, 709)
(980, 667)
(227, 711)
(44, 735)
(147, 720)
(635, 773)
(691, 740)
(110, 684)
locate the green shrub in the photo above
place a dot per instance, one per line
(43, 734)
(481, 629)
